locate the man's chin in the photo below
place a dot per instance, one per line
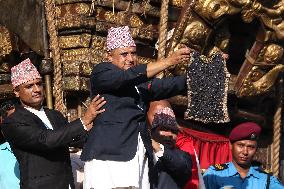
(244, 164)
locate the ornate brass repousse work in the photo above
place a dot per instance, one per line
(201, 21)
(77, 69)
(75, 41)
(138, 28)
(178, 3)
(70, 10)
(264, 72)
(81, 54)
(5, 41)
(98, 42)
(75, 83)
(76, 22)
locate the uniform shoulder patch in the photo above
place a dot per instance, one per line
(220, 167)
(265, 171)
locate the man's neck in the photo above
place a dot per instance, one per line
(36, 108)
(242, 170)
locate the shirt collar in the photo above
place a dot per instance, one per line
(252, 172)
(5, 146)
(232, 169)
(35, 111)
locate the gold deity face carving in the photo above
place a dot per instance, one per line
(273, 54)
(195, 33)
(216, 8)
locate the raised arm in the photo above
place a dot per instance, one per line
(107, 77)
(175, 58)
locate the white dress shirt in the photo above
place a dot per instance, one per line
(41, 114)
(107, 174)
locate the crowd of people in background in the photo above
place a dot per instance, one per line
(129, 133)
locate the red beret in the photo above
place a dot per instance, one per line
(245, 131)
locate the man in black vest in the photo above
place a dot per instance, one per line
(115, 149)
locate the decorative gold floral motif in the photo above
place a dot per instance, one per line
(145, 32)
(98, 56)
(75, 41)
(4, 67)
(212, 9)
(76, 22)
(273, 54)
(135, 21)
(81, 54)
(120, 18)
(251, 87)
(76, 9)
(77, 68)
(109, 16)
(75, 83)
(98, 42)
(5, 41)
(178, 3)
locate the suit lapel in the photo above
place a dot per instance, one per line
(25, 114)
(51, 118)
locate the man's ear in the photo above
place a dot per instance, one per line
(16, 92)
(230, 146)
(109, 57)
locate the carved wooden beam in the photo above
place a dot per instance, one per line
(140, 8)
(248, 64)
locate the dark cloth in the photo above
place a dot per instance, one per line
(207, 80)
(174, 169)
(115, 134)
(43, 154)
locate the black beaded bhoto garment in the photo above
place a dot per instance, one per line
(207, 82)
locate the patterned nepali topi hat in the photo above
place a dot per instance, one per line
(23, 72)
(119, 37)
(165, 119)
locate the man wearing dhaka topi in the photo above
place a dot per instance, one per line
(40, 137)
(118, 152)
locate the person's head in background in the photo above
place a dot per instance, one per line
(121, 47)
(164, 127)
(6, 109)
(155, 106)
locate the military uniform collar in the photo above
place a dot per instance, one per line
(252, 171)
(5, 146)
(232, 171)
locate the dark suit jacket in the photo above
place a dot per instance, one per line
(114, 136)
(174, 169)
(42, 153)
